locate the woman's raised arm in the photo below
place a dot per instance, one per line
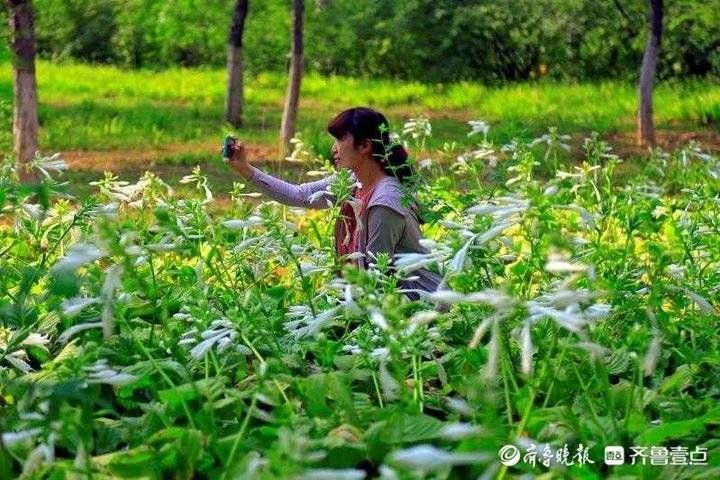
(303, 195)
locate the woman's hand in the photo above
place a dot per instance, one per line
(238, 160)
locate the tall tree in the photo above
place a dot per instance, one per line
(25, 99)
(646, 126)
(292, 96)
(234, 99)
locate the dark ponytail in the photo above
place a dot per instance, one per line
(368, 124)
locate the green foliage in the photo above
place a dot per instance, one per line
(424, 40)
(105, 108)
(144, 332)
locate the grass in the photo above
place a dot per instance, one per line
(99, 108)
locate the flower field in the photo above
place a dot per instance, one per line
(144, 334)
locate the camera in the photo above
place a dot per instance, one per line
(227, 146)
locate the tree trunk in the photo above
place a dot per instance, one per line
(287, 129)
(25, 100)
(235, 96)
(646, 126)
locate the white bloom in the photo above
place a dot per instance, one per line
(550, 190)
(597, 311)
(240, 224)
(704, 306)
(446, 296)
(70, 332)
(116, 380)
(17, 362)
(333, 474)
(495, 230)
(10, 439)
(557, 264)
(421, 319)
(388, 383)
(527, 349)
(45, 165)
(478, 126)
(309, 325)
(491, 367)
(417, 128)
(387, 473)
(355, 256)
(459, 431)
(79, 254)
(409, 262)
(458, 262)
(322, 194)
(492, 297)
(428, 457)
(351, 306)
(459, 406)
(36, 340)
(378, 319)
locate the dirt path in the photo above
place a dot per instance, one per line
(624, 144)
(142, 159)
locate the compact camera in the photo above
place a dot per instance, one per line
(227, 146)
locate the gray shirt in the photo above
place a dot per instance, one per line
(389, 226)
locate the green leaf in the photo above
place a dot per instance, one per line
(404, 428)
(139, 462)
(671, 430)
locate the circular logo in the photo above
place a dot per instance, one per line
(509, 455)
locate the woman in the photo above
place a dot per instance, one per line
(376, 220)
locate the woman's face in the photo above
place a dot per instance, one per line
(345, 154)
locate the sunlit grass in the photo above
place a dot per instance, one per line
(94, 107)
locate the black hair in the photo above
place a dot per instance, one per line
(368, 124)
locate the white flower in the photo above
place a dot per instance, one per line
(478, 126)
(409, 262)
(458, 431)
(550, 190)
(425, 163)
(387, 473)
(72, 331)
(389, 385)
(79, 254)
(333, 474)
(36, 340)
(100, 372)
(446, 296)
(349, 303)
(116, 379)
(240, 224)
(421, 319)
(417, 128)
(45, 165)
(314, 197)
(496, 230)
(458, 262)
(704, 306)
(526, 348)
(17, 362)
(377, 319)
(459, 406)
(428, 457)
(309, 325)
(10, 439)
(557, 264)
(490, 296)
